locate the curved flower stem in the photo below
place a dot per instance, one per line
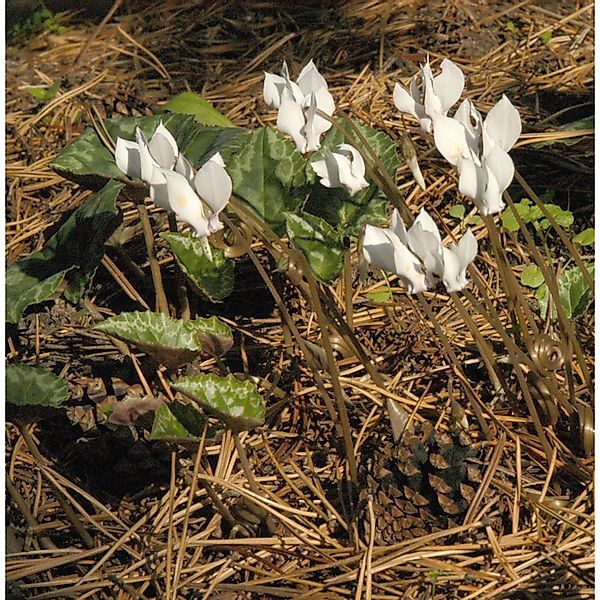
(184, 303)
(161, 300)
(335, 417)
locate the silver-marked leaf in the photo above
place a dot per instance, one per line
(72, 253)
(202, 110)
(87, 160)
(211, 278)
(267, 174)
(573, 291)
(24, 289)
(237, 403)
(32, 393)
(320, 243)
(170, 342)
(214, 335)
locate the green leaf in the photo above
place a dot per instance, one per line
(170, 342)
(320, 243)
(44, 94)
(267, 174)
(457, 211)
(168, 428)
(532, 276)
(214, 335)
(32, 393)
(73, 252)
(348, 213)
(573, 291)
(545, 37)
(510, 26)
(380, 295)
(523, 208)
(586, 237)
(202, 110)
(237, 403)
(213, 279)
(580, 124)
(88, 161)
(563, 217)
(26, 285)
(474, 220)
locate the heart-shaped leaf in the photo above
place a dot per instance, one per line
(573, 291)
(170, 342)
(74, 252)
(168, 428)
(211, 278)
(344, 212)
(202, 110)
(32, 393)
(320, 243)
(87, 160)
(214, 335)
(237, 403)
(267, 174)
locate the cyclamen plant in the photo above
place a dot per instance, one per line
(307, 178)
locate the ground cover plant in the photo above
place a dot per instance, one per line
(299, 318)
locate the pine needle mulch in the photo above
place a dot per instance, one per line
(98, 513)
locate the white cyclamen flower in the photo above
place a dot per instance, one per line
(418, 254)
(384, 249)
(297, 103)
(439, 93)
(342, 169)
(198, 200)
(195, 198)
(479, 149)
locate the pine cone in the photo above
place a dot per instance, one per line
(422, 484)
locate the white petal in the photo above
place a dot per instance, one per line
(448, 85)
(468, 116)
(159, 191)
(450, 138)
(407, 103)
(427, 246)
(413, 165)
(397, 226)
(218, 159)
(147, 163)
(433, 105)
(290, 120)
(503, 124)
(163, 147)
(185, 203)
(456, 260)
(310, 80)
(378, 248)
(272, 87)
(428, 224)
(313, 127)
(327, 170)
(491, 201)
(348, 180)
(127, 157)
(184, 167)
(356, 160)
(472, 180)
(214, 186)
(501, 165)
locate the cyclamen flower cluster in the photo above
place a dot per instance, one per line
(196, 198)
(297, 103)
(416, 254)
(477, 147)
